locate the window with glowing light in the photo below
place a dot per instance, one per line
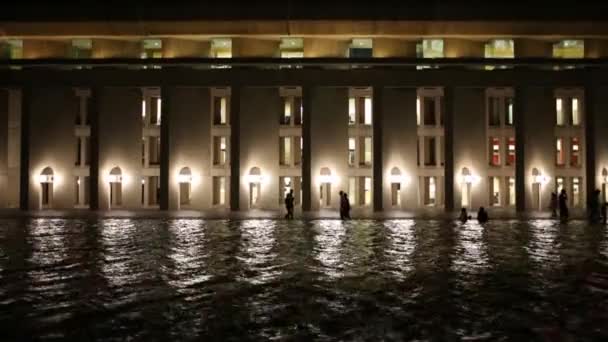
(575, 152)
(499, 48)
(361, 48)
(220, 115)
(351, 151)
(560, 159)
(494, 151)
(510, 151)
(569, 48)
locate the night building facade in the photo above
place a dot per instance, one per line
(404, 115)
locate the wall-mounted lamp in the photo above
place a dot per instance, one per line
(185, 175)
(325, 176)
(397, 177)
(538, 177)
(468, 178)
(255, 175)
(46, 176)
(115, 175)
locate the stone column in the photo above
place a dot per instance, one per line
(24, 171)
(164, 148)
(520, 171)
(93, 113)
(306, 157)
(377, 147)
(448, 122)
(235, 151)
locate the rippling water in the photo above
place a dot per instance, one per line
(168, 280)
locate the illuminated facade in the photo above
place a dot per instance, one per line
(232, 115)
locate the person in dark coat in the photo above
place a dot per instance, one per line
(563, 205)
(482, 215)
(289, 199)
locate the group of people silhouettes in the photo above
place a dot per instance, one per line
(482, 215)
(344, 205)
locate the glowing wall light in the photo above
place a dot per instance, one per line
(325, 176)
(185, 175)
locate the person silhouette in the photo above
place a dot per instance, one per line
(289, 205)
(482, 215)
(464, 216)
(563, 205)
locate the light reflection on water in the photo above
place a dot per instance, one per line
(142, 279)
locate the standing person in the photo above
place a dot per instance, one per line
(342, 205)
(464, 216)
(482, 215)
(594, 206)
(563, 205)
(289, 205)
(553, 204)
(347, 209)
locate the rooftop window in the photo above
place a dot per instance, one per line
(569, 48)
(152, 48)
(292, 48)
(499, 48)
(221, 48)
(11, 49)
(430, 48)
(361, 48)
(81, 48)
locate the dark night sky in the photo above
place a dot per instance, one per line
(49, 10)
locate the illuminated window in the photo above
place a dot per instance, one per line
(360, 110)
(366, 158)
(430, 48)
(367, 190)
(575, 152)
(220, 150)
(494, 151)
(575, 119)
(559, 110)
(569, 49)
(219, 190)
(499, 48)
(152, 48)
(81, 48)
(494, 111)
(576, 192)
(559, 184)
(429, 190)
(511, 192)
(285, 150)
(559, 157)
(509, 111)
(12, 49)
(430, 152)
(220, 116)
(352, 111)
(510, 151)
(292, 48)
(418, 111)
(221, 48)
(367, 119)
(361, 48)
(495, 192)
(351, 151)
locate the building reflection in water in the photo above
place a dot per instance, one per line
(471, 255)
(398, 253)
(256, 252)
(328, 244)
(187, 254)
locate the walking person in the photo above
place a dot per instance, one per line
(563, 205)
(553, 204)
(289, 199)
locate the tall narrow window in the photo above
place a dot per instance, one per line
(560, 159)
(509, 111)
(576, 116)
(219, 110)
(286, 118)
(430, 191)
(154, 148)
(418, 111)
(575, 153)
(559, 109)
(367, 151)
(511, 193)
(78, 151)
(352, 189)
(495, 191)
(352, 111)
(285, 151)
(510, 151)
(219, 190)
(429, 112)
(351, 151)
(494, 151)
(220, 154)
(430, 151)
(77, 198)
(576, 192)
(367, 188)
(367, 120)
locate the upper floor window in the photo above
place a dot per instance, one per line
(430, 48)
(221, 48)
(220, 116)
(509, 111)
(569, 48)
(360, 110)
(292, 111)
(499, 106)
(499, 48)
(567, 111)
(81, 48)
(351, 151)
(427, 112)
(151, 110)
(494, 151)
(292, 48)
(366, 151)
(361, 48)
(575, 152)
(220, 150)
(560, 158)
(510, 151)
(152, 48)
(12, 49)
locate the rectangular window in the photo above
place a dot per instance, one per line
(510, 151)
(511, 193)
(351, 151)
(430, 151)
(286, 118)
(12, 49)
(576, 192)
(499, 48)
(576, 116)
(352, 189)
(494, 111)
(430, 48)
(77, 190)
(495, 191)
(367, 151)
(441, 149)
(81, 48)
(418, 151)
(559, 109)
(367, 120)
(509, 111)
(285, 150)
(291, 48)
(367, 189)
(430, 191)
(184, 193)
(87, 150)
(494, 151)
(219, 110)
(418, 111)
(154, 150)
(575, 152)
(219, 190)
(569, 48)
(152, 48)
(297, 150)
(430, 117)
(153, 190)
(220, 150)
(352, 111)
(560, 159)
(221, 48)
(361, 48)
(396, 194)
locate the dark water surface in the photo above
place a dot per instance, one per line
(173, 280)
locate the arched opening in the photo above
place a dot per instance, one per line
(396, 179)
(115, 180)
(46, 179)
(325, 187)
(185, 183)
(255, 185)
